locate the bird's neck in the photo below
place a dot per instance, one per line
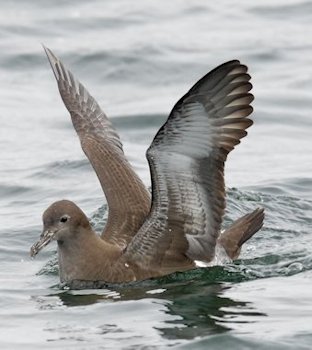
(86, 257)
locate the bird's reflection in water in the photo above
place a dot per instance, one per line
(194, 298)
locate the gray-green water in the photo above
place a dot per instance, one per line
(138, 58)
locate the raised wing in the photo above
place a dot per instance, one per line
(128, 200)
(186, 160)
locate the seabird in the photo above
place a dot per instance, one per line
(150, 237)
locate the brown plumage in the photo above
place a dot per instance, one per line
(182, 223)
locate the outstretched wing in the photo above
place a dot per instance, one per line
(186, 159)
(128, 200)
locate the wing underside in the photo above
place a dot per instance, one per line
(186, 160)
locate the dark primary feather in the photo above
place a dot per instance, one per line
(240, 231)
(126, 195)
(186, 160)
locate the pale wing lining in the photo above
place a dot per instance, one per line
(187, 162)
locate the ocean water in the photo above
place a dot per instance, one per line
(138, 58)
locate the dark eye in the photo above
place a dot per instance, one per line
(64, 218)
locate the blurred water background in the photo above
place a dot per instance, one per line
(138, 58)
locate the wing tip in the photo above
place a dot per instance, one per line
(233, 64)
(53, 60)
(241, 231)
(256, 221)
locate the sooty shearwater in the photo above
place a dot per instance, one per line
(181, 224)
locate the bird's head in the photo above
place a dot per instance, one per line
(63, 220)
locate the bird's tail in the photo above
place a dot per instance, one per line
(240, 231)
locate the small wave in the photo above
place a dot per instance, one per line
(297, 10)
(290, 188)
(52, 170)
(10, 190)
(21, 61)
(51, 267)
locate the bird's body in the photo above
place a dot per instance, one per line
(181, 224)
(106, 263)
